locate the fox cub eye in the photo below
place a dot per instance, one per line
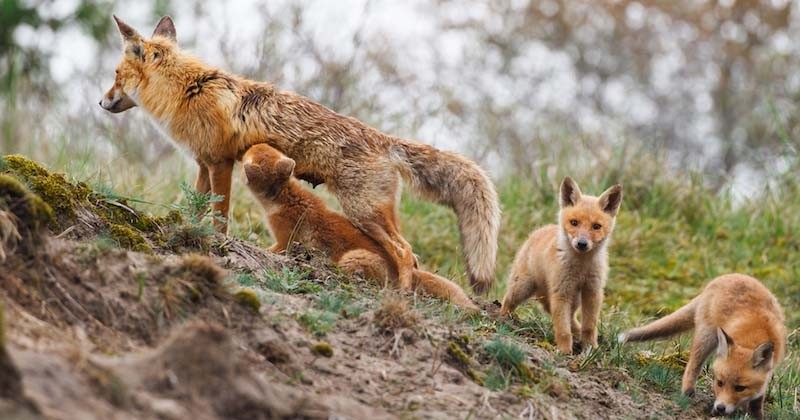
(720, 383)
(739, 388)
(596, 226)
(156, 55)
(573, 222)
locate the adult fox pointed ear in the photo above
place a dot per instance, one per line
(165, 28)
(724, 343)
(127, 32)
(570, 193)
(611, 199)
(762, 355)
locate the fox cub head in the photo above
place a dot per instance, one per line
(587, 221)
(740, 374)
(267, 170)
(141, 57)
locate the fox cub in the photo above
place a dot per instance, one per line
(565, 266)
(295, 214)
(739, 317)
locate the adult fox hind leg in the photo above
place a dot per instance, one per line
(220, 177)
(369, 204)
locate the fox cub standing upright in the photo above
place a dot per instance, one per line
(296, 214)
(739, 317)
(565, 266)
(217, 116)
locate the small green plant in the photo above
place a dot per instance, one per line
(339, 303)
(318, 323)
(196, 225)
(509, 360)
(246, 280)
(290, 280)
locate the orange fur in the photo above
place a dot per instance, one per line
(565, 266)
(296, 214)
(739, 317)
(217, 116)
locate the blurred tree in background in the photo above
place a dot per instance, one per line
(29, 62)
(702, 79)
(520, 85)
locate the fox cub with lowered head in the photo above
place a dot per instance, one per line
(565, 266)
(294, 214)
(217, 116)
(736, 315)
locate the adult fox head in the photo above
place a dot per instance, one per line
(587, 221)
(140, 59)
(267, 170)
(740, 374)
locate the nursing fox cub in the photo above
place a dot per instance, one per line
(294, 214)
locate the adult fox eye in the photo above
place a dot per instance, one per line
(573, 222)
(596, 226)
(739, 388)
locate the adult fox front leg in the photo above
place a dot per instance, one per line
(218, 116)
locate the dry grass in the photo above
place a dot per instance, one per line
(395, 314)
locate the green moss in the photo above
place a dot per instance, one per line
(60, 194)
(459, 358)
(461, 361)
(249, 299)
(322, 349)
(129, 238)
(28, 207)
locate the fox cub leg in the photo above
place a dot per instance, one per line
(703, 344)
(366, 264)
(442, 288)
(591, 299)
(562, 311)
(520, 288)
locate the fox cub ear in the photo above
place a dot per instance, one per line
(284, 168)
(570, 193)
(611, 199)
(165, 28)
(724, 343)
(762, 355)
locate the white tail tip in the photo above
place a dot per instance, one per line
(622, 338)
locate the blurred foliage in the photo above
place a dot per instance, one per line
(695, 77)
(16, 59)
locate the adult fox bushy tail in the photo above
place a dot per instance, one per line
(739, 317)
(294, 214)
(217, 116)
(454, 181)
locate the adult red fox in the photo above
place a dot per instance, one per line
(739, 317)
(217, 116)
(295, 214)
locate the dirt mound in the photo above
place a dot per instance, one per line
(110, 313)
